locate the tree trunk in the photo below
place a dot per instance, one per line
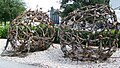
(0, 22)
(4, 22)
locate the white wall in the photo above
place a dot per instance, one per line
(118, 15)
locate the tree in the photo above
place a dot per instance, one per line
(65, 4)
(9, 9)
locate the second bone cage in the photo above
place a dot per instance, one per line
(89, 33)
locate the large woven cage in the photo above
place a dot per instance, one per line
(89, 33)
(30, 31)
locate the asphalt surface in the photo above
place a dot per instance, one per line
(10, 64)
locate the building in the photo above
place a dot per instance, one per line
(54, 15)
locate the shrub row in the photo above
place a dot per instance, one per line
(4, 32)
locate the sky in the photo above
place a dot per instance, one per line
(47, 4)
(114, 3)
(44, 4)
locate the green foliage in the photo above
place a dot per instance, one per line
(9, 9)
(78, 4)
(3, 31)
(56, 36)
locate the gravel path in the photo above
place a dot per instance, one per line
(10, 64)
(53, 58)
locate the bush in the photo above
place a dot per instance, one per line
(3, 31)
(119, 39)
(56, 37)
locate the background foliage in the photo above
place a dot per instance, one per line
(9, 9)
(68, 7)
(4, 31)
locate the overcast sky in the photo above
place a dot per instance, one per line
(115, 3)
(46, 4)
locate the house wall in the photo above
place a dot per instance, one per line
(117, 12)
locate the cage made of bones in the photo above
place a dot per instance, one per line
(89, 33)
(30, 31)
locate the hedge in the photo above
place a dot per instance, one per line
(4, 32)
